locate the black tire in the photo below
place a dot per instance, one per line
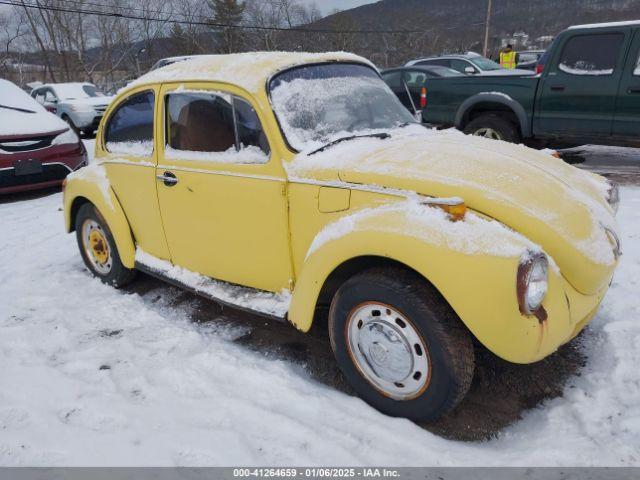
(118, 275)
(448, 343)
(504, 128)
(67, 119)
(87, 132)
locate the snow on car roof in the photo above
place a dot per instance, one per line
(605, 25)
(247, 70)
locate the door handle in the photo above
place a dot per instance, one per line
(168, 178)
(633, 90)
(557, 88)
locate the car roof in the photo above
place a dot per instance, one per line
(249, 70)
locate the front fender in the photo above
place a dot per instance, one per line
(480, 286)
(91, 184)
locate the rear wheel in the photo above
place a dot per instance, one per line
(400, 344)
(494, 127)
(98, 248)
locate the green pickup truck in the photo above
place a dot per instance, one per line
(588, 92)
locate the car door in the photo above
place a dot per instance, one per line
(222, 197)
(577, 97)
(125, 146)
(626, 121)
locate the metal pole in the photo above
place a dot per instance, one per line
(486, 30)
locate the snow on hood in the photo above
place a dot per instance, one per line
(248, 70)
(553, 204)
(34, 120)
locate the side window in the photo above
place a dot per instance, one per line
(130, 128)
(39, 96)
(636, 68)
(49, 96)
(415, 78)
(393, 79)
(213, 126)
(461, 65)
(249, 128)
(443, 62)
(594, 54)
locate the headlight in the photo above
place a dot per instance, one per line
(613, 196)
(532, 283)
(68, 136)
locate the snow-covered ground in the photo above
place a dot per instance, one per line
(93, 376)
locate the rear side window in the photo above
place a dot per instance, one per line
(415, 78)
(595, 54)
(438, 61)
(393, 79)
(213, 126)
(130, 128)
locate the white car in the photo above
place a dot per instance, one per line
(81, 105)
(470, 63)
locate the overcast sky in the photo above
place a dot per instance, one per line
(327, 6)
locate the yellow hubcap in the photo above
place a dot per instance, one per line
(99, 247)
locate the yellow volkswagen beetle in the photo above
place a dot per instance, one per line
(294, 184)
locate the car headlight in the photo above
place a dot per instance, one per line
(532, 283)
(68, 136)
(613, 196)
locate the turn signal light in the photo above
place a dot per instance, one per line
(454, 207)
(64, 184)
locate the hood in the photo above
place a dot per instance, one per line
(505, 72)
(16, 125)
(90, 101)
(557, 206)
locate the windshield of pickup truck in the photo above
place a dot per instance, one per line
(485, 64)
(317, 104)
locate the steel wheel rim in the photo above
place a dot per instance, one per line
(487, 132)
(96, 246)
(388, 351)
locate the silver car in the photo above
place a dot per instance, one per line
(469, 63)
(81, 105)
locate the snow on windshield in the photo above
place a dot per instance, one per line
(12, 96)
(22, 115)
(318, 104)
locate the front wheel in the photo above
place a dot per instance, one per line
(98, 248)
(493, 127)
(400, 344)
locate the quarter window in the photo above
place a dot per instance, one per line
(130, 128)
(393, 79)
(214, 126)
(415, 78)
(591, 54)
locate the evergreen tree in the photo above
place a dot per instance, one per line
(227, 12)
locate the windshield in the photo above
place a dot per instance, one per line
(485, 64)
(446, 72)
(12, 97)
(317, 104)
(73, 91)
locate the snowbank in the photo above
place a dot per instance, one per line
(95, 376)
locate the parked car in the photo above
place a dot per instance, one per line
(293, 185)
(470, 64)
(588, 92)
(528, 59)
(81, 105)
(408, 83)
(37, 149)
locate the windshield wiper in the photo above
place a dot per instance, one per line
(350, 137)
(23, 110)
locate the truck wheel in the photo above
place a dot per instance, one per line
(98, 249)
(400, 344)
(493, 127)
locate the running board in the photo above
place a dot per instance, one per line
(261, 302)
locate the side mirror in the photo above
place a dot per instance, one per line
(470, 70)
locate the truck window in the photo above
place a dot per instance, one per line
(592, 54)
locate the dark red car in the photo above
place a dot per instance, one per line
(37, 149)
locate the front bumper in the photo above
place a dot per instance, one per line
(57, 162)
